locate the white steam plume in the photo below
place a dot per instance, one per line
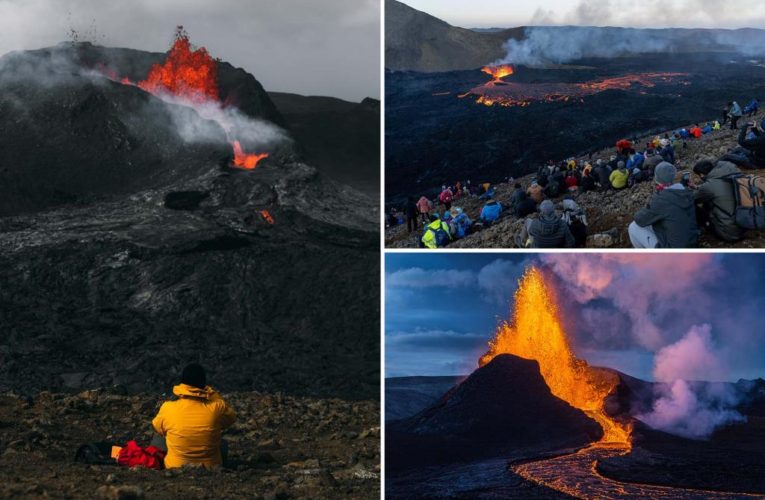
(689, 409)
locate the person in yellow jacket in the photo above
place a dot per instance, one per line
(619, 177)
(192, 425)
(437, 233)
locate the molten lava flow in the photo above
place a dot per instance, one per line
(189, 74)
(498, 72)
(536, 333)
(512, 94)
(246, 160)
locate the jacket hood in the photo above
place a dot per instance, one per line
(550, 224)
(184, 390)
(681, 198)
(723, 169)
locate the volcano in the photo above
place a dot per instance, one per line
(133, 243)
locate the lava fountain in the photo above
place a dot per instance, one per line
(191, 75)
(498, 72)
(536, 332)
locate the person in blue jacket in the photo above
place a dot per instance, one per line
(491, 212)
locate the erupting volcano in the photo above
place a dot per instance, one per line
(509, 94)
(190, 75)
(498, 72)
(536, 333)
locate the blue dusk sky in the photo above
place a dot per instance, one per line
(620, 310)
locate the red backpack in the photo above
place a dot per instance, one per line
(133, 455)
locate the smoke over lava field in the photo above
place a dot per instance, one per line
(457, 125)
(156, 210)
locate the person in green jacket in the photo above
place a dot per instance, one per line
(619, 177)
(436, 234)
(716, 200)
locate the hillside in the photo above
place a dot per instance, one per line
(416, 41)
(609, 213)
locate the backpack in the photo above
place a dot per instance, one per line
(441, 236)
(95, 454)
(749, 191)
(133, 455)
(577, 224)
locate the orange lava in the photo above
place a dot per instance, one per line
(536, 332)
(186, 73)
(267, 216)
(191, 75)
(246, 160)
(512, 94)
(498, 72)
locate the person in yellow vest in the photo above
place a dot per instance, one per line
(190, 428)
(716, 125)
(437, 233)
(619, 177)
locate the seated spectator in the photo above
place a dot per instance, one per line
(669, 220)
(535, 192)
(716, 199)
(490, 212)
(619, 177)
(461, 223)
(546, 231)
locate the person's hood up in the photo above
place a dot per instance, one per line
(185, 390)
(679, 197)
(723, 169)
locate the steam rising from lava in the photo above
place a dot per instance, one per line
(682, 409)
(536, 332)
(190, 77)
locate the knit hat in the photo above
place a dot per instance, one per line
(546, 208)
(665, 173)
(194, 375)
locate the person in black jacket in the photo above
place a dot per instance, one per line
(411, 215)
(755, 146)
(669, 220)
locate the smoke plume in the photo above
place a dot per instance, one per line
(692, 409)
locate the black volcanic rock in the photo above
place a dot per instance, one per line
(341, 138)
(503, 408)
(81, 139)
(130, 253)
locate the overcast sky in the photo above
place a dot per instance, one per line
(645, 13)
(441, 309)
(327, 47)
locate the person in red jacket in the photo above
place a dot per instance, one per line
(571, 181)
(446, 197)
(696, 131)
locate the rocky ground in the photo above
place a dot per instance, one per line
(609, 213)
(280, 447)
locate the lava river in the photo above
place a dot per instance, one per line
(536, 332)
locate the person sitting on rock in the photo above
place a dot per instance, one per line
(752, 108)
(490, 212)
(716, 125)
(535, 192)
(572, 184)
(652, 159)
(669, 220)
(707, 128)
(754, 146)
(587, 183)
(716, 200)
(524, 207)
(190, 428)
(547, 231)
(619, 177)
(461, 223)
(518, 196)
(696, 131)
(437, 234)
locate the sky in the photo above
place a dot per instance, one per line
(307, 47)
(622, 311)
(646, 13)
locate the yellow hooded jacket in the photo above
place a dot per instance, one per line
(192, 426)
